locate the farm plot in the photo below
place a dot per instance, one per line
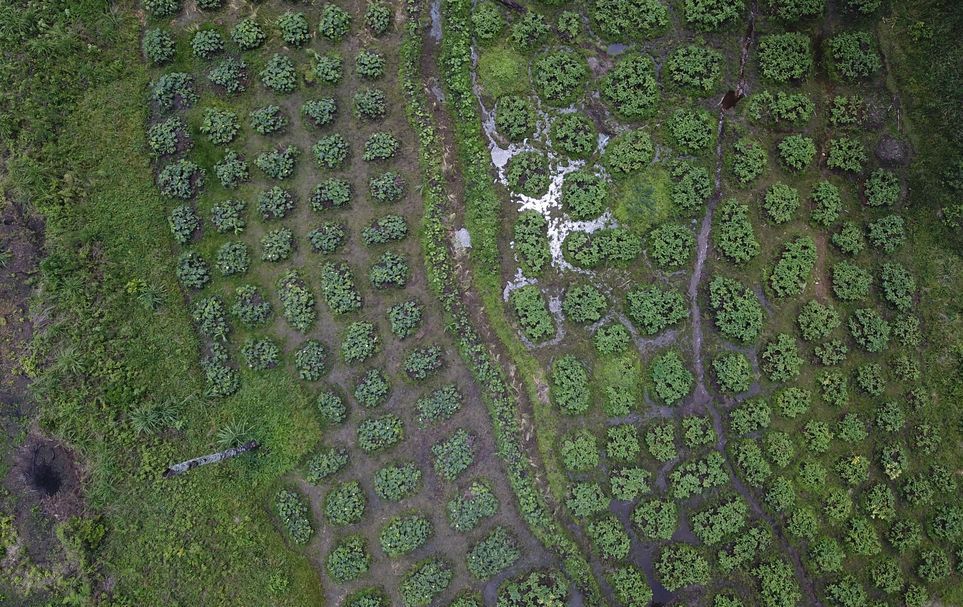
(703, 260)
(282, 144)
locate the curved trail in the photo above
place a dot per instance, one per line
(701, 397)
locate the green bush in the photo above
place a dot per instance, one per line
(849, 238)
(733, 371)
(293, 512)
(692, 130)
(267, 120)
(670, 245)
(248, 34)
(422, 363)
(338, 288)
(579, 451)
(622, 443)
(750, 416)
(206, 43)
(656, 519)
(320, 112)
(882, 188)
(717, 523)
(631, 88)
(208, 315)
(853, 55)
(369, 64)
(698, 432)
(633, 19)
(569, 25)
(779, 447)
(861, 537)
(738, 314)
(846, 154)
(349, 559)
(629, 483)
(654, 309)
(748, 160)
(439, 405)
(672, 380)
(584, 304)
(157, 46)
(753, 466)
(796, 152)
(294, 28)
(366, 597)
(167, 137)
(332, 193)
(327, 238)
(183, 222)
(681, 565)
(390, 270)
(608, 537)
(827, 203)
(607, 245)
(385, 229)
(279, 163)
(378, 17)
(396, 482)
(898, 285)
(329, 68)
(454, 455)
(584, 195)
(404, 534)
(230, 75)
(220, 126)
(260, 354)
(781, 110)
(660, 441)
(695, 67)
(527, 174)
(380, 146)
(514, 116)
(851, 282)
(405, 318)
(372, 389)
(275, 203)
(487, 21)
(387, 188)
(359, 342)
(470, 507)
(785, 57)
(869, 329)
(345, 503)
(574, 135)
(331, 151)
(846, 111)
(380, 433)
(630, 587)
(711, 14)
(325, 463)
(559, 77)
(181, 179)
(532, 313)
(817, 321)
(232, 258)
(612, 339)
(297, 301)
(192, 270)
(496, 552)
(791, 272)
(586, 499)
(793, 10)
(231, 170)
(570, 385)
(370, 103)
(780, 358)
(425, 581)
(309, 360)
(335, 23)
(162, 8)
(529, 31)
(691, 187)
(781, 202)
(628, 153)
(250, 306)
(887, 233)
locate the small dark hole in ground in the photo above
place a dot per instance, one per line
(45, 479)
(730, 100)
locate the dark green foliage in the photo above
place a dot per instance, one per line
(207, 43)
(861, 537)
(162, 8)
(247, 34)
(327, 238)
(849, 239)
(335, 23)
(695, 68)
(656, 519)
(531, 242)
(168, 137)
(696, 476)
(750, 416)
(869, 329)
(422, 363)
(793, 402)
(826, 203)
(622, 443)
(404, 534)
(294, 28)
(584, 195)
(454, 455)
(366, 597)
(698, 432)
(780, 109)
(372, 389)
(854, 55)
(781, 360)
(220, 126)
(277, 245)
(405, 318)
(275, 203)
(534, 589)
(793, 10)
(181, 179)
(297, 301)
(532, 313)
(208, 314)
(232, 258)
(529, 30)
(369, 64)
(631, 88)
(495, 553)
(293, 512)
(733, 371)
(390, 270)
(738, 314)
(396, 482)
(752, 465)
(425, 581)
(781, 202)
(579, 451)
(612, 339)
(670, 245)
(574, 135)
(387, 187)
(487, 21)
(380, 146)
(846, 154)
(791, 272)
(777, 584)
(717, 523)
(733, 233)
(370, 103)
(514, 116)
(332, 193)
(784, 57)
(654, 309)
(325, 463)
(320, 112)
(378, 17)
(691, 130)
(250, 306)
(349, 559)
(851, 282)
(630, 587)
(681, 565)
(385, 229)
(559, 77)
(629, 483)
(231, 170)
(570, 385)
(338, 288)
(711, 14)
(279, 163)
(310, 360)
(230, 75)
(345, 503)
(609, 538)
(468, 509)
(584, 304)
(192, 270)
(183, 222)
(586, 499)
(329, 68)
(796, 152)
(748, 160)
(260, 354)
(360, 342)
(882, 188)
(380, 433)
(660, 441)
(691, 187)
(157, 46)
(826, 555)
(628, 153)
(638, 19)
(607, 245)
(331, 151)
(527, 174)
(887, 233)
(267, 120)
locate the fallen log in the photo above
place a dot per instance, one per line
(515, 6)
(213, 458)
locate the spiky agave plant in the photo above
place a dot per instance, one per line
(233, 433)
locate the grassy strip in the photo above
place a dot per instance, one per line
(75, 140)
(441, 275)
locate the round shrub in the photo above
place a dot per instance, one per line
(424, 582)
(345, 503)
(233, 258)
(380, 433)
(260, 354)
(422, 363)
(691, 130)
(248, 34)
(671, 378)
(349, 559)
(168, 137)
(162, 8)
(174, 90)
(183, 222)
(579, 451)
(671, 244)
(309, 360)
(396, 482)
(279, 74)
(274, 203)
(279, 163)
(325, 463)
(574, 135)
(250, 306)
(781, 202)
(454, 455)
(748, 160)
(584, 195)
(635, 19)
(369, 64)
(628, 153)
(584, 304)
(380, 146)
(695, 68)
(157, 46)
(785, 57)
(570, 385)
(796, 152)
(528, 174)
(181, 179)
(377, 18)
(327, 238)
(320, 112)
(293, 512)
(268, 120)
(653, 309)
(559, 77)
(370, 104)
(487, 21)
(631, 88)
(854, 55)
(294, 28)
(711, 14)
(882, 188)
(733, 371)
(331, 151)
(335, 23)
(387, 188)
(207, 43)
(846, 154)
(332, 193)
(514, 117)
(230, 75)
(372, 389)
(404, 534)
(827, 203)
(329, 68)
(612, 339)
(220, 126)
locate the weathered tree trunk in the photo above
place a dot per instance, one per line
(213, 458)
